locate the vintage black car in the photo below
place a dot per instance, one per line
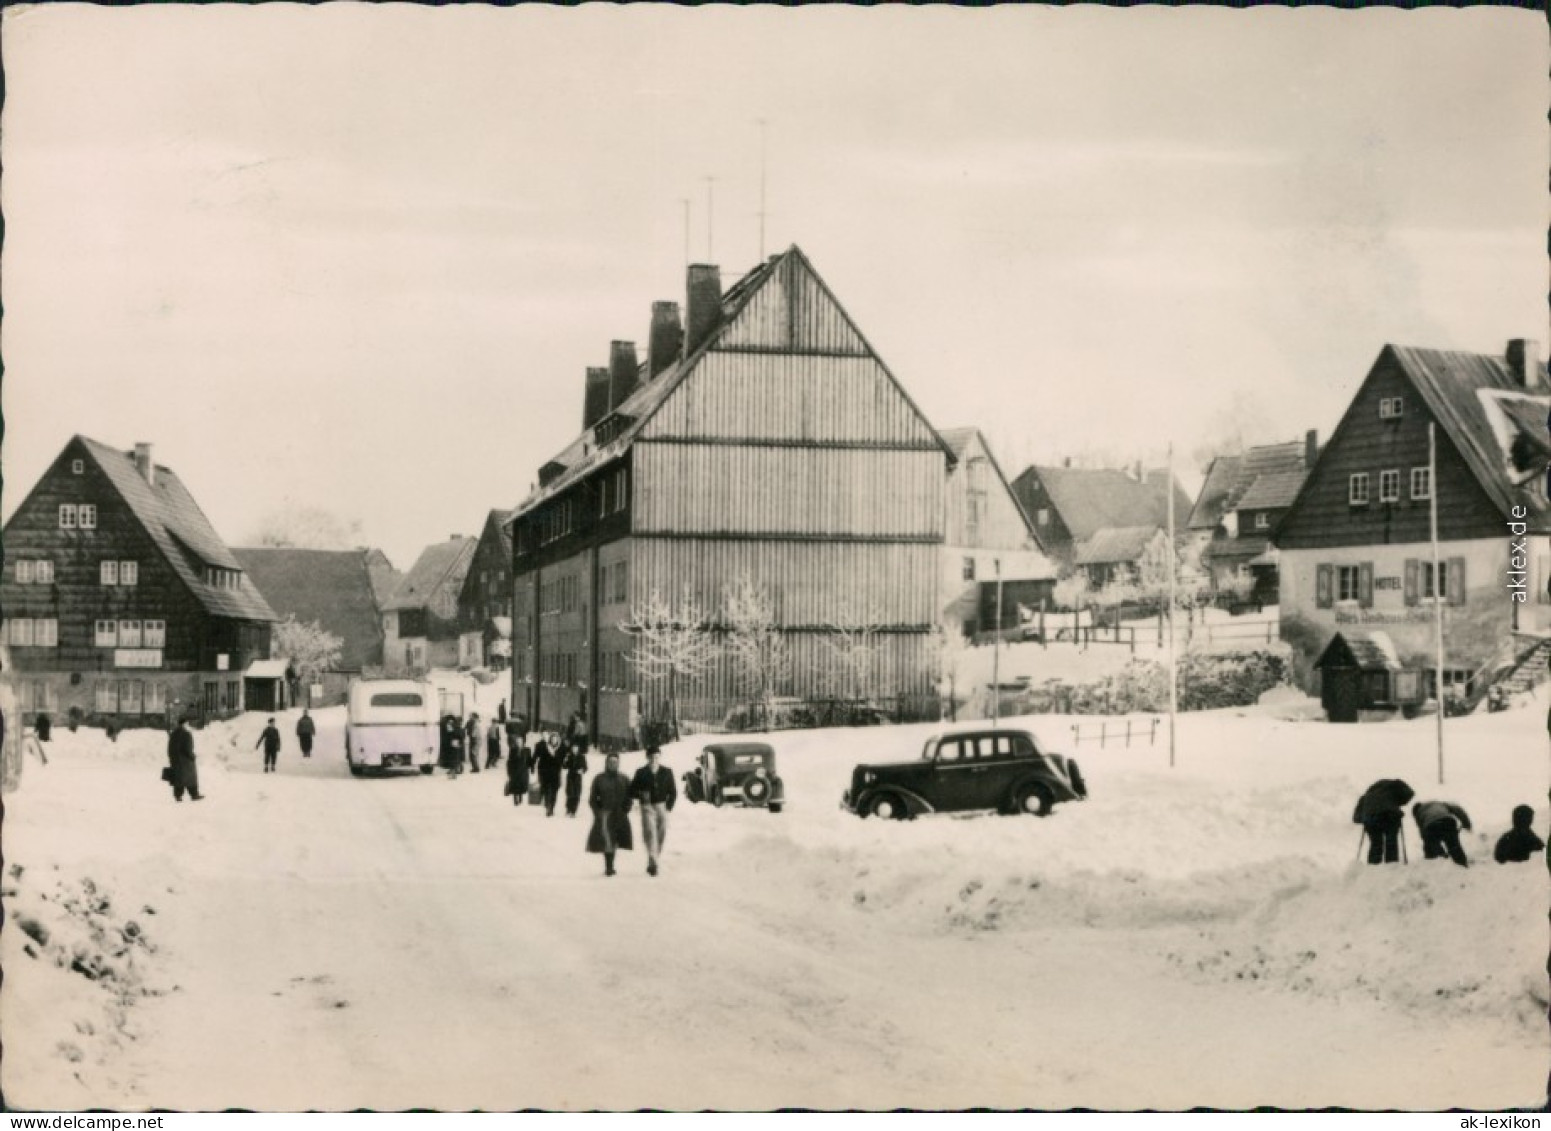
(995, 769)
(736, 773)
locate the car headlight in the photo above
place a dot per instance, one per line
(760, 772)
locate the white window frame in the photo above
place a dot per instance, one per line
(155, 698)
(44, 571)
(129, 634)
(24, 568)
(129, 573)
(1343, 573)
(1424, 584)
(107, 573)
(88, 516)
(105, 696)
(67, 516)
(1357, 493)
(77, 466)
(155, 633)
(1392, 408)
(105, 634)
(45, 632)
(1421, 483)
(1262, 520)
(19, 632)
(1389, 485)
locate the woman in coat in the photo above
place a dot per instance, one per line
(493, 747)
(575, 771)
(517, 773)
(452, 746)
(610, 804)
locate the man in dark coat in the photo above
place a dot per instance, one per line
(1519, 843)
(549, 760)
(1381, 813)
(305, 730)
(43, 726)
(1440, 823)
(180, 753)
(575, 771)
(517, 769)
(492, 747)
(452, 746)
(270, 741)
(610, 804)
(654, 788)
(471, 740)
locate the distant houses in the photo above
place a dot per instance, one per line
(122, 604)
(1099, 519)
(336, 589)
(420, 620)
(1356, 557)
(762, 442)
(485, 599)
(1237, 513)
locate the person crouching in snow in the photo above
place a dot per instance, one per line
(270, 741)
(1440, 823)
(575, 771)
(610, 805)
(653, 787)
(1519, 843)
(1381, 813)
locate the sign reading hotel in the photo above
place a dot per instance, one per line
(137, 658)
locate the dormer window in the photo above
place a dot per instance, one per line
(223, 578)
(1391, 408)
(1262, 520)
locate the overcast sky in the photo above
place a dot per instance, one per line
(359, 257)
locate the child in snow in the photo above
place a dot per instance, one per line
(1381, 813)
(1519, 843)
(1440, 823)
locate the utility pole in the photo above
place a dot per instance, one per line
(1432, 508)
(710, 255)
(996, 652)
(685, 201)
(1168, 488)
(762, 129)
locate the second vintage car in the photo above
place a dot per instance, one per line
(736, 773)
(994, 769)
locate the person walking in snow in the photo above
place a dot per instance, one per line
(1381, 813)
(452, 746)
(517, 773)
(609, 801)
(575, 771)
(500, 712)
(180, 753)
(653, 787)
(43, 726)
(1519, 843)
(270, 741)
(305, 730)
(1440, 823)
(549, 760)
(492, 747)
(472, 743)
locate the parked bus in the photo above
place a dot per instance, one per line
(391, 724)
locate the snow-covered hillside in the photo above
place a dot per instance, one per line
(1194, 935)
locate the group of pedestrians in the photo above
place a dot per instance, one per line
(269, 739)
(1381, 812)
(652, 788)
(552, 763)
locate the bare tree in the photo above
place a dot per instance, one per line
(672, 639)
(757, 645)
(852, 647)
(307, 528)
(311, 649)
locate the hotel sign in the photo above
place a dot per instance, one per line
(137, 658)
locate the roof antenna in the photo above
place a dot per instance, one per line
(710, 256)
(762, 130)
(685, 201)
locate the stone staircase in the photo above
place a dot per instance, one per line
(1519, 668)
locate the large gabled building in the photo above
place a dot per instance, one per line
(485, 601)
(420, 620)
(121, 602)
(1070, 506)
(1356, 554)
(762, 438)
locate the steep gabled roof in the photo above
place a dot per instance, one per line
(1269, 492)
(584, 455)
(438, 567)
(1113, 545)
(1230, 480)
(331, 587)
(497, 528)
(180, 530)
(958, 441)
(1090, 499)
(1222, 480)
(385, 579)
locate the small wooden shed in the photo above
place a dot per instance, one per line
(1361, 671)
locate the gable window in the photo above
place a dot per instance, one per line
(1262, 520)
(106, 635)
(1421, 483)
(88, 514)
(77, 466)
(1392, 408)
(1357, 489)
(67, 516)
(1389, 486)
(109, 573)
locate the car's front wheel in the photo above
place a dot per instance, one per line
(1034, 799)
(887, 807)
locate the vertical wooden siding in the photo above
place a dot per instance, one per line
(791, 311)
(790, 397)
(746, 489)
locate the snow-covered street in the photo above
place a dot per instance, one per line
(1195, 936)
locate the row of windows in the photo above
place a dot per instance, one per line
(130, 697)
(614, 580)
(1357, 491)
(613, 671)
(220, 578)
(613, 492)
(223, 696)
(34, 572)
(559, 668)
(131, 634)
(120, 573)
(553, 523)
(562, 595)
(32, 632)
(1418, 582)
(77, 515)
(36, 695)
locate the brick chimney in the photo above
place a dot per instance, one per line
(595, 402)
(665, 340)
(1310, 448)
(622, 372)
(703, 308)
(1523, 357)
(143, 463)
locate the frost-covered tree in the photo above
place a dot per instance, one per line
(671, 639)
(1073, 591)
(852, 650)
(307, 528)
(311, 649)
(758, 647)
(949, 651)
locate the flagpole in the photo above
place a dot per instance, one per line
(1168, 487)
(996, 652)
(1438, 589)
